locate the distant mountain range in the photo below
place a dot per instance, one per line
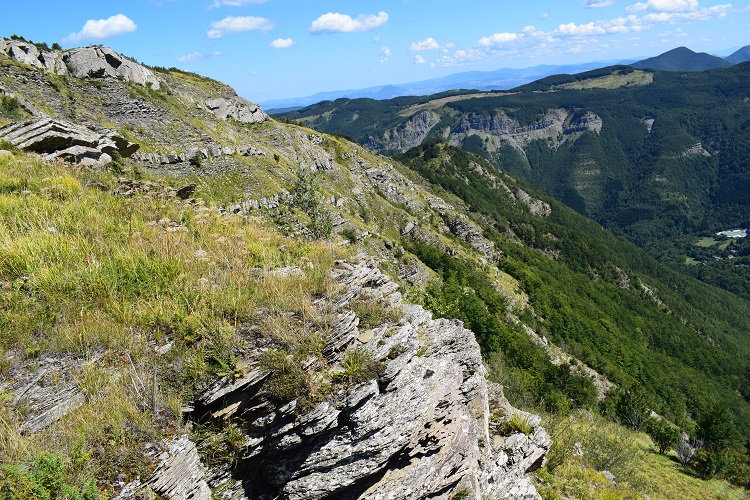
(504, 78)
(740, 56)
(679, 59)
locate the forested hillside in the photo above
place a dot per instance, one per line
(660, 157)
(190, 289)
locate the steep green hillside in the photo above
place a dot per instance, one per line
(124, 308)
(615, 308)
(654, 158)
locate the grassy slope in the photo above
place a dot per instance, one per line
(116, 260)
(640, 471)
(102, 280)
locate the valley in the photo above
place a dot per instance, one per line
(655, 158)
(198, 300)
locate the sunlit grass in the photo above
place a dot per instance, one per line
(104, 279)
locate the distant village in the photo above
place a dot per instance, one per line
(733, 233)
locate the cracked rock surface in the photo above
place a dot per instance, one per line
(420, 430)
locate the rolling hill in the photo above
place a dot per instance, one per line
(682, 59)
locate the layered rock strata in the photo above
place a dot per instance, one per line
(420, 430)
(59, 139)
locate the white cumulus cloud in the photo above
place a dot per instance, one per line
(103, 28)
(498, 40)
(385, 51)
(333, 22)
(665, 6)
(418, 59)
(427, 44)
(233, 24)
(233, 3)
(281, 43)
(595, 4)
(573, 29)
(193, 56)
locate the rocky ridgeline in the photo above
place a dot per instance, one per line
(202, 153)
(55, 139)
(99, 62)
(85, 62)
(420, 430)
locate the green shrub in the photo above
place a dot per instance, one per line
(708, 463)
(610, 447)
(45, 480)
(305, 198)
(350, 234)
(358, 366)
(10, 107)
(196, 161)
(321, 223)
(663, 434)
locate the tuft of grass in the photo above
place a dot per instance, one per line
(358, 366)
(372, 312)
(520, 423)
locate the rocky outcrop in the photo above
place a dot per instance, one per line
(236, 108)
(536, 206)
(59, 139)
(85, 62)
(412, 134)
(181, 475)
(27, 53)
(103, 62)
(419, 430)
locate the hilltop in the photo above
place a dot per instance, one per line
(682, 59)
(739, 56)
(273, 311)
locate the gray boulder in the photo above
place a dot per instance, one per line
(237, 108)
(102, 62)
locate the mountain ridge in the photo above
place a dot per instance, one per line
(682, 59)
(678, 59)
(739, 56)
(263, 308)
(478, 80)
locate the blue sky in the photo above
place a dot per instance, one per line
(272, 49)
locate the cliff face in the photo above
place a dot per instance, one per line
(494, 129)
